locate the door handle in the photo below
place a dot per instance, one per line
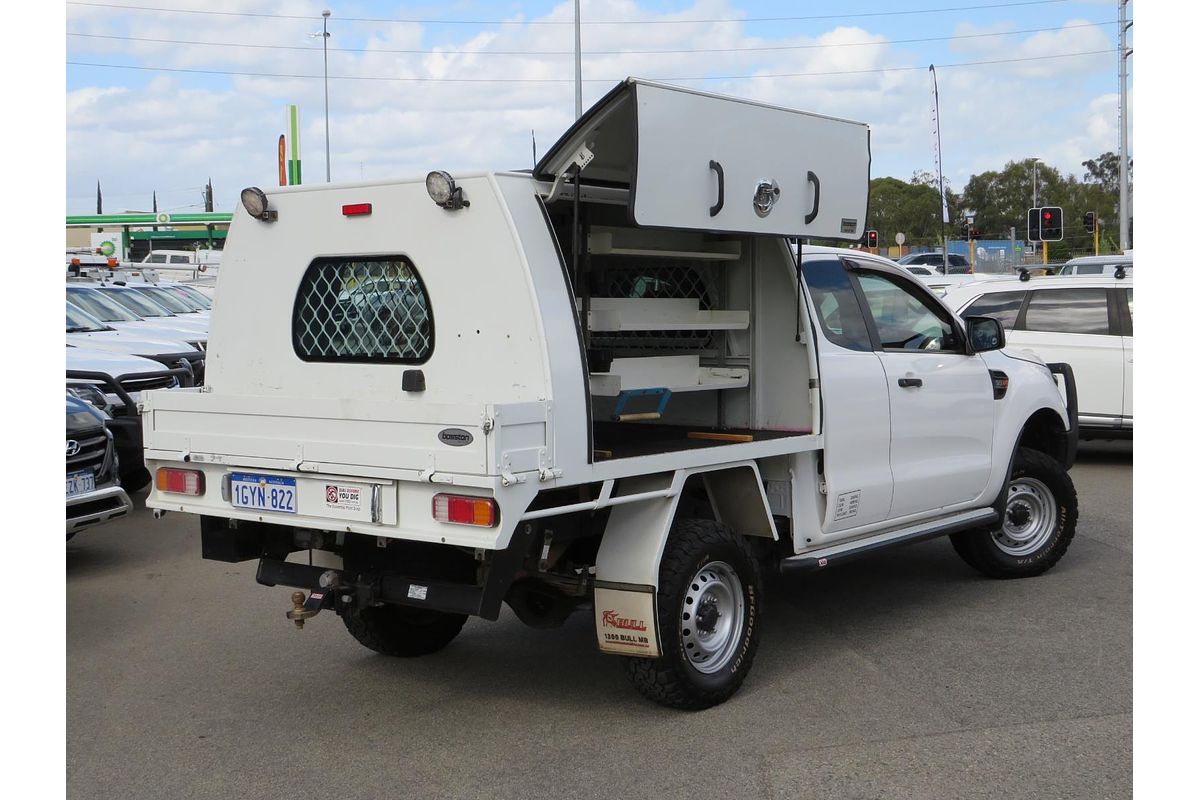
(816, 206)
(715, 166)
(910, 383)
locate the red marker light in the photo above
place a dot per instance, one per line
(356, 209)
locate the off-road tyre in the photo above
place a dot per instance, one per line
(980, 548)
(672, 680)
(402, 630)
(135, 480)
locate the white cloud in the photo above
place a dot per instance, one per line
(166, 136)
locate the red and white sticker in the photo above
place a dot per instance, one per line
(342, 497)
(625, 622)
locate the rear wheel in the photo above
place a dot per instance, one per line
(708, 618)
(402, 630)
(1038, 522)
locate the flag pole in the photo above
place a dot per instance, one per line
(937, 160)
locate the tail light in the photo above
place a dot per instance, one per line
(464, 510)
(180, 481)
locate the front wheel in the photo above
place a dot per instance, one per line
(708, 618)
(1038, 522)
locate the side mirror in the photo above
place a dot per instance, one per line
(985, 333)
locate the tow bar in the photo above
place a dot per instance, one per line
(303, 609)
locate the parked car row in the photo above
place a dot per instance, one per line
(126, 333)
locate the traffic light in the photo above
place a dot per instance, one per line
(1089, 221)
(1051, 224)
(1033, 225)
(872, 239)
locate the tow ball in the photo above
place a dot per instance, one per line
(303, 608)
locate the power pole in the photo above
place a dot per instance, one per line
(578, 67)
(325, 48)
(1123, 54)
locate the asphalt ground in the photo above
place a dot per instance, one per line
(906, 675)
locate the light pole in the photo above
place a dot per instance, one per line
(1035, 163)
(578, 68)
(325, 48)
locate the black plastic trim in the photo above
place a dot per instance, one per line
(805, 563)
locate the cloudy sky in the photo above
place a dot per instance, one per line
(160, 98)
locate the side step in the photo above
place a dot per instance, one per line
(847, 551)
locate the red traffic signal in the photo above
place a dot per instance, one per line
(1051, 224)
(872, 238)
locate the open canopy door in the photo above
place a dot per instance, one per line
(697, 161)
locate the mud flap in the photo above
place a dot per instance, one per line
(626, 620)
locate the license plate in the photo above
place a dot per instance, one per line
(80, 482)
(263, 492)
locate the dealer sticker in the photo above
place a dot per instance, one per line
(343, 498)
(625, 622)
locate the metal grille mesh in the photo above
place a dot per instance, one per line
(638, 278)
(362, 310)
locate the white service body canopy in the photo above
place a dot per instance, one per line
(697, 161)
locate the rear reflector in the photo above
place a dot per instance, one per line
(464, 510)
(180, 481)
(356, 209)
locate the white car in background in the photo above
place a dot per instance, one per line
(113, 383)
(84, 330)
(1084, 321)
(145, 307)
(1098, 265)
(104, 308)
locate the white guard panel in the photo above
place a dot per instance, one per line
(680, 131)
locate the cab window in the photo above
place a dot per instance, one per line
(837, 307)
(904, 319)
(1068, 311)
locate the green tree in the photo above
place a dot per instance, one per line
(909, 207)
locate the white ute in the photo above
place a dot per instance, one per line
(601, 385)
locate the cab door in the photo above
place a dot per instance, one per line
(940, 396)
(856, 418)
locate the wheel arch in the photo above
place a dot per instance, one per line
(635, 535)
(1044, 431)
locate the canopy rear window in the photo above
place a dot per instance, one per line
(353, 309)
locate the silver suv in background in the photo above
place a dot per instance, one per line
(1105, 266)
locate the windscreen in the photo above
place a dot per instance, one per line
(79, 321)
(197, 297)
(136, 302)
(165, 298)
(99, 305)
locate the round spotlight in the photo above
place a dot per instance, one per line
(440, 187)
(254, 200)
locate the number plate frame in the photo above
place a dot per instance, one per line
(259, 492)
(82, 481)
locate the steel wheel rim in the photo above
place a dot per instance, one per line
(712, 618)
(1030, 518)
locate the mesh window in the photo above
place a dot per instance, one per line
(636, 278)
(362, 309)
